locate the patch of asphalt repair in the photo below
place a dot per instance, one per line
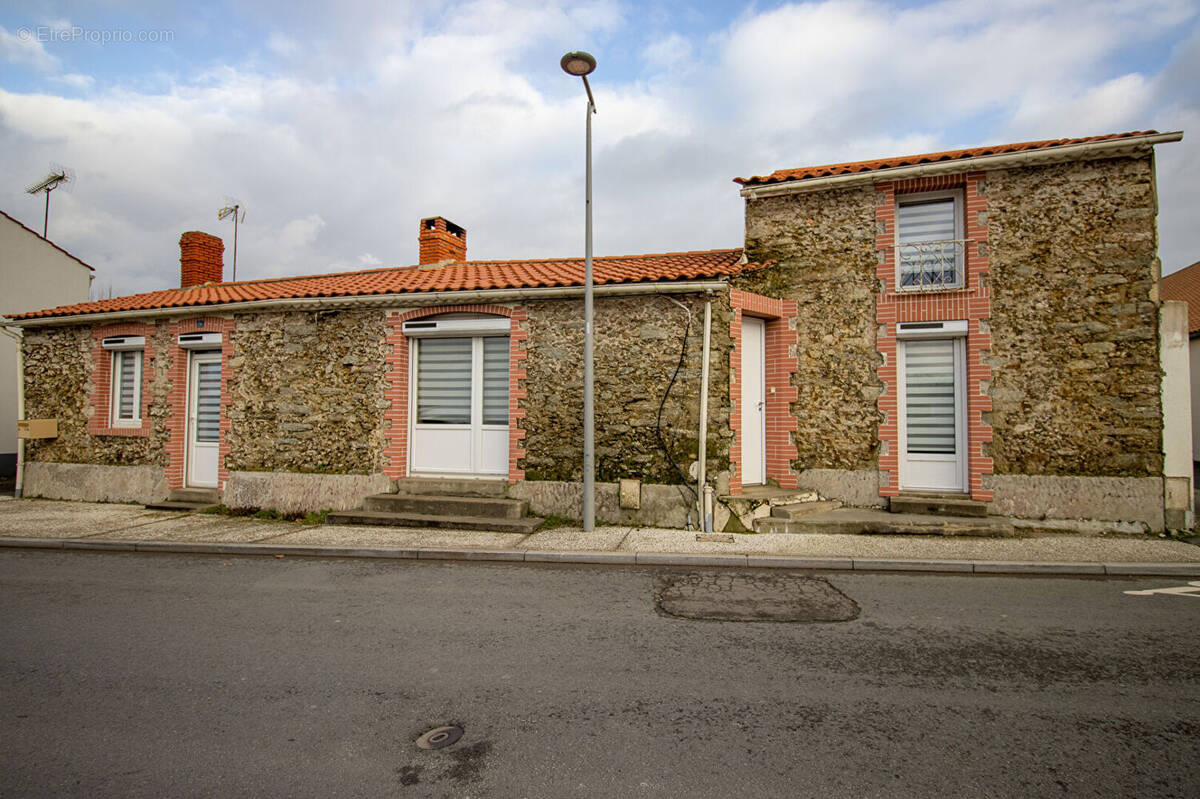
(723, 596)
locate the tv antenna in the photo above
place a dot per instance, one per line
(59, 176)
(233, 207)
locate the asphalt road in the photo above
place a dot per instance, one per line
(155, 675)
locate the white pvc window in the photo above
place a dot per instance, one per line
(929, 240)
(930, 396)
(444, 381)
(446, 371)
(495, 380)
(126, 388)
(208, 402)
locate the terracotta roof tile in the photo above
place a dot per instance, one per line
(1185, 285)
(455, 276)
(857, 167)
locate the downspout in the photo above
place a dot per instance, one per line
(19, 339)
(703, 492)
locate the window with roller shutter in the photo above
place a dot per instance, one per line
(126, 389)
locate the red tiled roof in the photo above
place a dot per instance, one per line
(457, 276)
(857, 167)
(1185, 285)
(43, 238)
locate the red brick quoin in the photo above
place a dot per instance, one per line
(102, 364)
(395, 450)
(780, 450)
(177, 398)
(971, 303)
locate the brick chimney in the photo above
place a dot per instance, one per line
(441, 240)
(201, 259)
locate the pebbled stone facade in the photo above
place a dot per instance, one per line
(58, 384)
(306, 392)
(823, 248)
(1074, 272)
(638, 344)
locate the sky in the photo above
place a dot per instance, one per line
(339, 128)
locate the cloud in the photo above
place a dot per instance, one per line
(75, 80)
(22, 47)
(669, 52)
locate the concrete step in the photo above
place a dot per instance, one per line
(799, 509)
(938, 505)
(526, 524)
(187, 507)
(436, 505)
(210, 495)
(861, 521)
(450, 486)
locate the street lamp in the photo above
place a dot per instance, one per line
(581, 65)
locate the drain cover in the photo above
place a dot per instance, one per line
(439, 737)
(721, 596)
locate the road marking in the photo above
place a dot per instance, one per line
(1191, 589)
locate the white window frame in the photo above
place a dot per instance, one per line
(476, 424)
(118, 359)
(955, 331)
(960, 260)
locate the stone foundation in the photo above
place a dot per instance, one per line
(1123, 499)
(661, 505)
(289, 492)
(87, 482)
(857, 487)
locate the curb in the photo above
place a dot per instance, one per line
(622, 558)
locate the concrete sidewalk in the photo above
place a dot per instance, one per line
(32, 523)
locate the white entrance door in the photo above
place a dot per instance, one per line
(204, 419)
(754, 346)
(932, 434)
(460, 407)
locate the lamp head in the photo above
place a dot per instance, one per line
(579, 64)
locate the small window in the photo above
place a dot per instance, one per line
(929, 241)
(127, 388)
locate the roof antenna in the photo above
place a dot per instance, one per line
(59, 176)
(233, 207)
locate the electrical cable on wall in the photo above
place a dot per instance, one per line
(687, 329)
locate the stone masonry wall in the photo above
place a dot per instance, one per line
(638, 341)
(306, 392)
(58, 384)
(1076, 381)
(823, 246)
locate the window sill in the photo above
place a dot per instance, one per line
(930, 289)
(141, 430)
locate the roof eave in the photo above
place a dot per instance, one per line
(1110, 148)
(428, 298)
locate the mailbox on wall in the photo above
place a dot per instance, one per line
(37, 428)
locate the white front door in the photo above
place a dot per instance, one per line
(203, 419)
(460, 406)
(932, 410)
(753, 375)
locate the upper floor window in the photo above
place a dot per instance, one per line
(126, 388)
(929, 240)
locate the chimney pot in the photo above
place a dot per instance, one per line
(441, 240)
(201, 259)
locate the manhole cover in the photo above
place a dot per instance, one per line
(721, 596)
(440, 737)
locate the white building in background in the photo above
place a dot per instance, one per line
(1184, 286)
(34, 273)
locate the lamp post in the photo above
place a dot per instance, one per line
(581, 64)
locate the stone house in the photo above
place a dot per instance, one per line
(981, 323)
(985, 322)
